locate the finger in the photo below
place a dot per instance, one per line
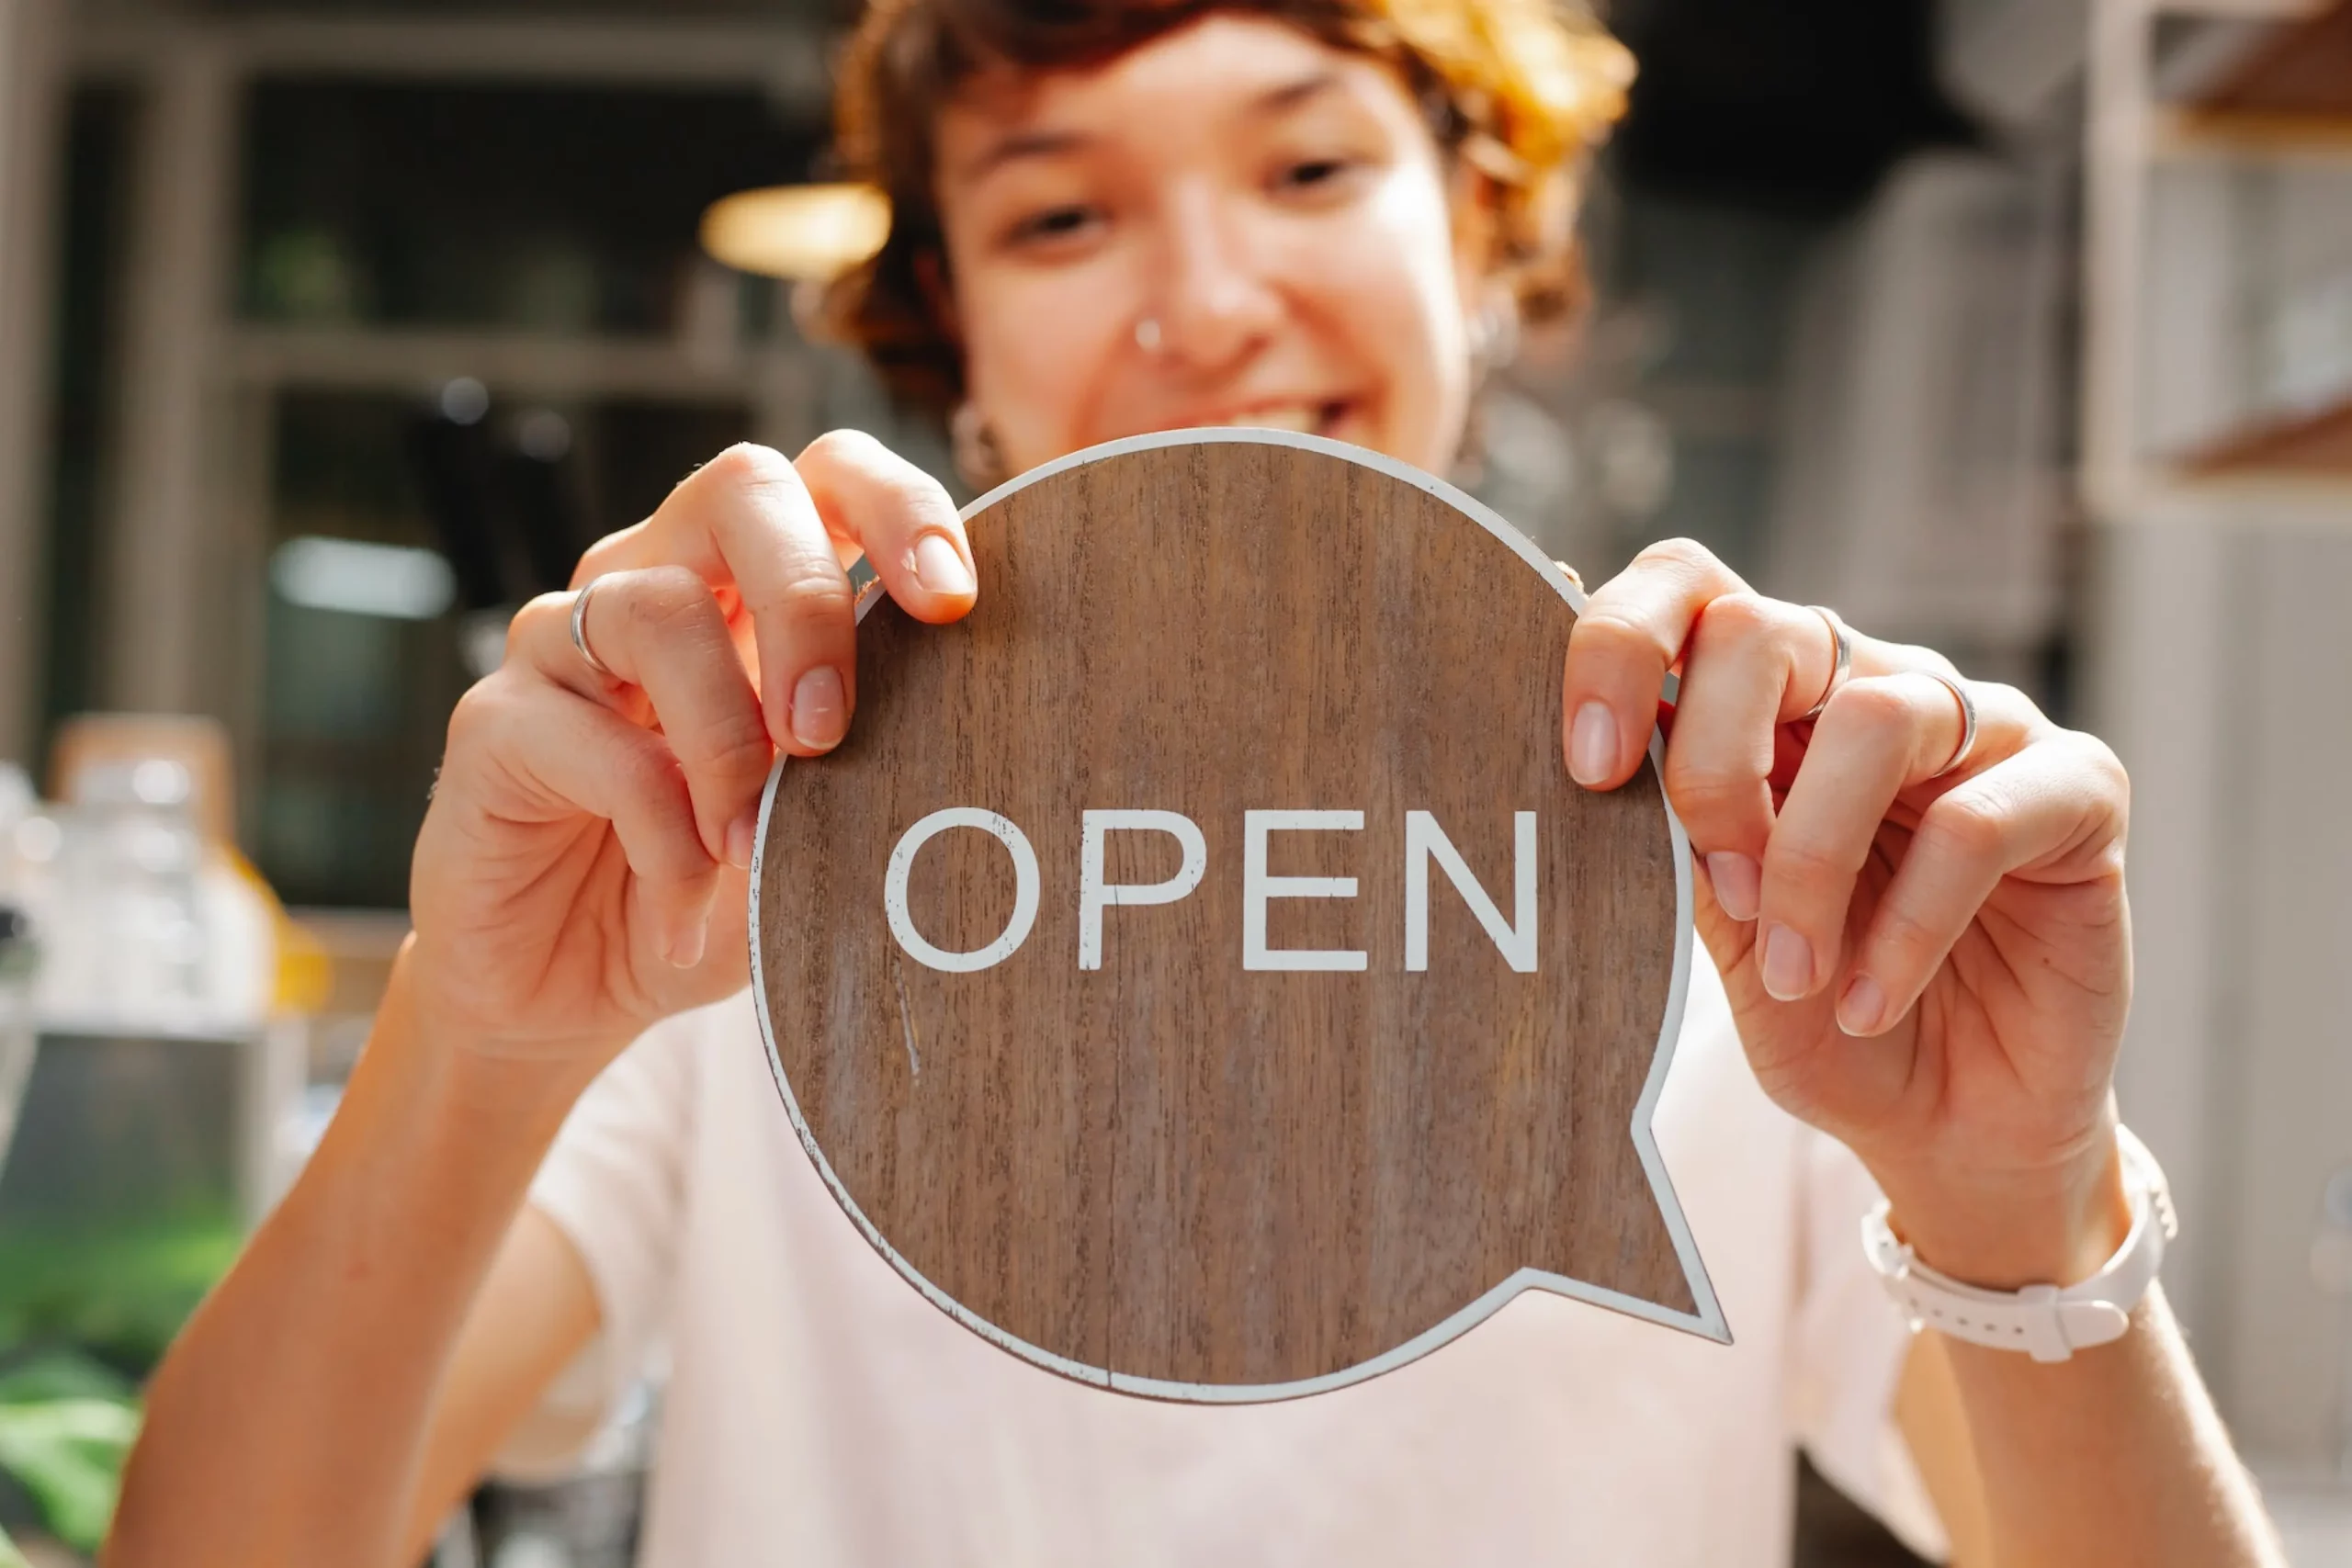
(569, 755)
(746, 524)
(899, 515)
(660, 630)
(1631, 633)
(1879, 736)
(2057, 807)
(1742, 678)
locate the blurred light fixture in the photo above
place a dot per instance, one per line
(391, 581)
(543, 436)
(464, 400)
(813, 233)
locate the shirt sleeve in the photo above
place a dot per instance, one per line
(1850, 1344)
(614, 1183)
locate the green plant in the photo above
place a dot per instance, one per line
(122, 1288)
(66, 1426)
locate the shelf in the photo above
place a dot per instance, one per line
(524, 363)
(2292, 85)
(193, 1028)
(2311, 444)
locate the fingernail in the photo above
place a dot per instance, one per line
(1592, 745)
(685, 943)
(739, 839)
(1786, 964)
(1740, 883)
(820, 715)
(1863, 1007)
(940, 568)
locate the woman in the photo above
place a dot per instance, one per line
(1115, 217)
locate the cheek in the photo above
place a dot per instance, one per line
(1397, 293)
(1038, 346)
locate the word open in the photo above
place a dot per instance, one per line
(1425, 843)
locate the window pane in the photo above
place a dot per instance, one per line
(565, 209)
(396, 533)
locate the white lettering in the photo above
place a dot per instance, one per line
(1024, 890)
(1257, 887)
(1093, 893)
(1423, 840)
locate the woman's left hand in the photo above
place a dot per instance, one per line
(1928, 955)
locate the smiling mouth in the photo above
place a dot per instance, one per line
(1305, 418)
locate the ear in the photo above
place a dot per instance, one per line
(1478, 236)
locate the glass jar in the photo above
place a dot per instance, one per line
(18, 1034)
(120, 914)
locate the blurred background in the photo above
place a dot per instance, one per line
(330, 332)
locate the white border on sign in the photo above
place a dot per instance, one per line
(1706, 1321)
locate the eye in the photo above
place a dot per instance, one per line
(1313, 170)
(1315, 176)
(1052, 224)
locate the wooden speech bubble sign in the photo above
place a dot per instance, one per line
(1196, 972)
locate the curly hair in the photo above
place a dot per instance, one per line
(1519, 90)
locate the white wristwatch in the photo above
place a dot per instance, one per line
(2047, 1323)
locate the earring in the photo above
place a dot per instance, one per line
(978, 457)
(1147, 334)
(1494, 331)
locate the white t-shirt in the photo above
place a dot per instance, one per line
(819, 1412)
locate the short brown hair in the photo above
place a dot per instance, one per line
(1519, 89)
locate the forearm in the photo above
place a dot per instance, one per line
(286, 1425)
(2112, 1456)
(2115, 1456)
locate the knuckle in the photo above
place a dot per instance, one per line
(731, 747)
(1737, 619)
(483, 710)
(2103, 765)
(1707, 791)
(2000, 696)
(533, 616)
(2105, 784)
(747, 465)
(812, 592)
(1607, 629)
(1966, 825)
(1902, 934)
(1872, 704)
(1679, 555)
(2000, 704)
(648, 774)
(664, 599)
(1802, 863)
(859, 464)
(601, 556)
(845, 448)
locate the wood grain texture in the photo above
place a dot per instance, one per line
(1174, 1168)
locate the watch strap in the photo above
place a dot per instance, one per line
(2045, 1321)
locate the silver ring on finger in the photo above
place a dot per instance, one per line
(580, 630)
(1841, 657)
(1957, 688)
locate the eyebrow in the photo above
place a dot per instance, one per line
(1024, 144)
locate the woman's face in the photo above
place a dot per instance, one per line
(1233, 224)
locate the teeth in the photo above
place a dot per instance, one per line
(1301, 419)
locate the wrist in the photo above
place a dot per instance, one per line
(514, 1071)
(2057, 1226)
(464, 1071)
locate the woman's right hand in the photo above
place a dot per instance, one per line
(581, 872)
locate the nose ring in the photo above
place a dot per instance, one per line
(1147, 334)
